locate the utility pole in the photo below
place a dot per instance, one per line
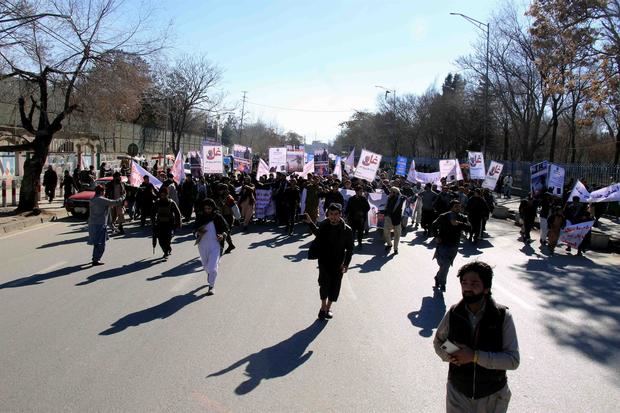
(242, 114)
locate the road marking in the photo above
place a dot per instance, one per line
(515, 298)
(34, 228)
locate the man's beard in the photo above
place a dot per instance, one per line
(472, 298)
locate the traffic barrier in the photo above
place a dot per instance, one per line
(3, 193)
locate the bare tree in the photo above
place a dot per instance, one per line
(183, 90)
(54, 55)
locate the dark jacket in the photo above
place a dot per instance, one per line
(394, 208)
(357, 209)
(50, 179)
(333, 198)
(473, 380)
(449, 234)
(335, 244)
(477, 208)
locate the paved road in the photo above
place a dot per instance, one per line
(140, 335)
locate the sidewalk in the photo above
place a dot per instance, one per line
(608, 225)
(10, 222)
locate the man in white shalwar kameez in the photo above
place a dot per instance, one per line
(211, 229)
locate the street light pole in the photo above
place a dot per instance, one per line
(393, 92)
(485, 27)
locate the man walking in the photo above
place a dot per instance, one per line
(335, 240)
(166, 218)
(447, 232)
(392, 218)
(357, 213)
(50, 180)
(98, 221)
(477, 212)
(478, 338)
(427, 198)
(113, 190)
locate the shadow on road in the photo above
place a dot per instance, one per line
(278, 240)
(189, 267)
(81, 240)
(119, 271)
(592, 291)
(160, 311)
(277, 360)
(40, 278)
(430, 314)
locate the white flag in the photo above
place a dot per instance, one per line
(178, 172)
(138, 173)
(349, 163)
(338, 168)
(263, 169)
(411, 175)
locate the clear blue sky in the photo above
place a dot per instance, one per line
(324, 55)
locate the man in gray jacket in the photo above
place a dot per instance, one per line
(98, 222)
(478, 338)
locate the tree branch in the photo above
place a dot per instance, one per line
(57, 123)
(26, 120)
(17, 148)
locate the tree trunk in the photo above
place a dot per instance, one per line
(617, 154)
(31, 180)
(506, 141)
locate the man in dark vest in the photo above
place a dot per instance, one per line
(478, 338)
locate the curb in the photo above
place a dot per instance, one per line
(25, 222)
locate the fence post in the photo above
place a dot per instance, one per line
(4, 193)
(14, 192)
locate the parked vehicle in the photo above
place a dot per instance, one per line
(78, 204)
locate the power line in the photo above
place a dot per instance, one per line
(301, 110)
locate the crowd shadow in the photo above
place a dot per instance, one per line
(81, 240)
(275, 361)
(160, 311)
(120, 271)
(189, 267)
(373, 264)
(40, 278)
(299, 257)
(428, 317)
(277, 241)
(578, 284)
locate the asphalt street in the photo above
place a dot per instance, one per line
(139, 334)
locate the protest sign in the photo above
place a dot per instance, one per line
(377, 202)
(573, 235)
(367, 165)
(212, 159)
(538, 178)
(495, 170)
(555, 180)
(277, 159)
(263, 169)
(476, 165)
(264, 204)
(321, 162)
(242, 158)
(401, 166)
(295, 158)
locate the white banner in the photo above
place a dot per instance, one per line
(610, 193)
(573, 235)
(346, 194)
(495, 170)
(476, 165)
(277, 159)
(377, 202)
(411, 175)
(264, 204)
(428, 178)
(581, 191)
(212, 159)
(263, 169)
(367, 165)
(137, 174)
(555, 180)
